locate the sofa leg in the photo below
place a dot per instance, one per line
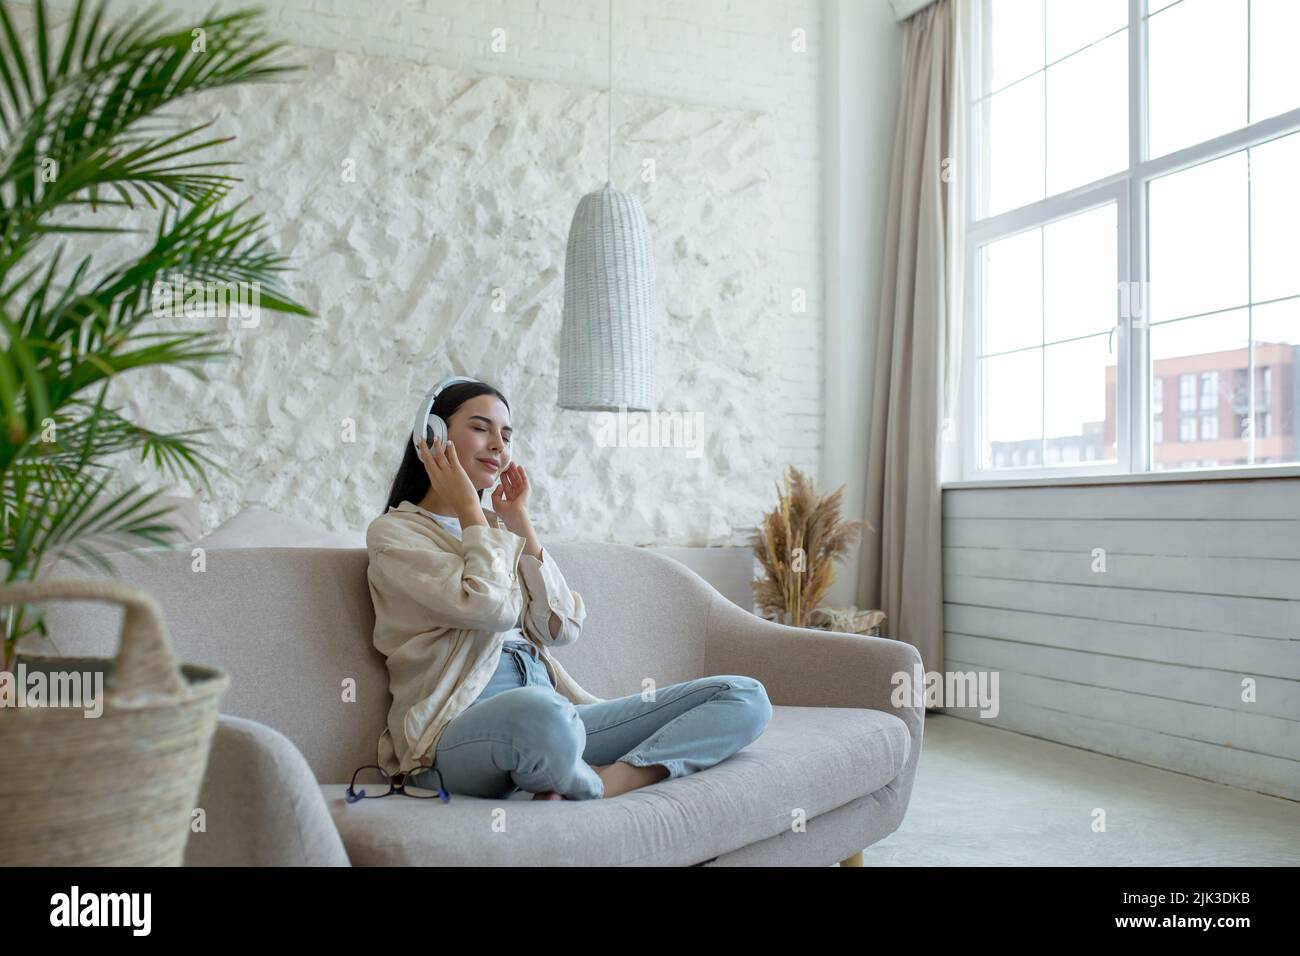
(854, 860)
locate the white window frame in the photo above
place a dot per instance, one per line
(1211, 433)
(1127, 189)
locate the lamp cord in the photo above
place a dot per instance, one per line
(609, 167)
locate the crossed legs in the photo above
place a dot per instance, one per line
(531, 738)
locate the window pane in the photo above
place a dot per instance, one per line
(1015, 145)
(1079, 258)
(1209, 391)
(1186, 352)
(1072, 25)
(1013, 406)
(1275, 329)
(1274, 66)
(1275, 218)
(1196, 74)
(1016, 40)
(1087, 115)
(1198, 238)
(1079, 401)
(1013, 299)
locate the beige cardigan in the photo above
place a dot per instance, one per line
(443, 608)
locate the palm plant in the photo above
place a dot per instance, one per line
(81, 129)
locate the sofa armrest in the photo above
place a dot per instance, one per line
(807, 667)
(262, 804)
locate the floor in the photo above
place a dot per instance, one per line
(990, 797)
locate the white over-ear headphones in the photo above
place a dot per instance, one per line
(432, 425)
(429, 426)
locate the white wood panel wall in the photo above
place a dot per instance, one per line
(1145, 660)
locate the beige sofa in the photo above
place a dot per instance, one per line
(831, 774)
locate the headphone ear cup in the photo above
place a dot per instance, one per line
(430, 424)
(436, 428)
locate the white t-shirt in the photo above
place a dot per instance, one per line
(452, 524)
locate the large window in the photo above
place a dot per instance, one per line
(1134, 226)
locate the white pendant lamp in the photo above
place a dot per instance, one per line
(607, 340)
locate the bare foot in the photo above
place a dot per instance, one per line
(600, 771)
(621, 777)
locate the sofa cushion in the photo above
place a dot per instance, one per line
(260, 528)
(809, 759)
(183, 517)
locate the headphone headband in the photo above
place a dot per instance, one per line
(423, 419)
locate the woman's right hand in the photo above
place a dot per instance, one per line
(448, 478)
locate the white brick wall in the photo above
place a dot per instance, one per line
(730, 53)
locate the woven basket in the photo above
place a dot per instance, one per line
(117, 789)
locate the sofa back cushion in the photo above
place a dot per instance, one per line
(292, 626)
(257, 527)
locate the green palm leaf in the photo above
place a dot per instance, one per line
(87, 123)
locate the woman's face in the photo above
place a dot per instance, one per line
(480, 430)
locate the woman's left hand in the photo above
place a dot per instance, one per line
(510, 499)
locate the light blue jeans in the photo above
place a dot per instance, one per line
(520, 733)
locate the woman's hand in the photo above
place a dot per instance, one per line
(448, 479)
(510, 499)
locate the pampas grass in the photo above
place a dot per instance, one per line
(798, 544)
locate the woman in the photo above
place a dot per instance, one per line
(467, 606)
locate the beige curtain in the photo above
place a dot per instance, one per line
(917, 342)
